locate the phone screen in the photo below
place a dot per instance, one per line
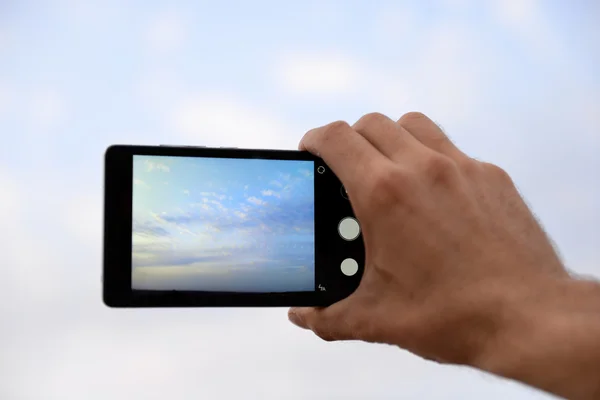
(223, 225)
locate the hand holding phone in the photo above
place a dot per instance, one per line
(192, 226)
(457, 269)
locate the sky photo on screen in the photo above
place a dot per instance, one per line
(227, 225)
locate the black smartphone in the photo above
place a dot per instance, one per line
(226, 227)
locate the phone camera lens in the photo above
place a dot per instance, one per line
(321, 169)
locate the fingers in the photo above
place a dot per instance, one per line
(351, 157)
(429, 133)
(390, 138)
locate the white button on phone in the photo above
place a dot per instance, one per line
(349, 228)
(349, 267)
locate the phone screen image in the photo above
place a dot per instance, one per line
(223, 225)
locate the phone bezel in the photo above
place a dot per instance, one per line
(330, 249)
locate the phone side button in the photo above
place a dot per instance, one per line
(188, 147)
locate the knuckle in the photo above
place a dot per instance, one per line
(470, 167)
(497, 173)
(387, 186)
(335, 128)
(441, 169)
(413, 117)
(313, 140)
(370, 119)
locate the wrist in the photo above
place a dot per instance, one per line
(548, 337)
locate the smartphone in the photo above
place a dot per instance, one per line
(226, 227)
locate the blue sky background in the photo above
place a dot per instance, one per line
(223, 224)
(512, 82)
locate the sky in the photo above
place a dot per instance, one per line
(513, 82)
(218, 224)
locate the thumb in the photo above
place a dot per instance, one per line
(330, 323)
(297, 316)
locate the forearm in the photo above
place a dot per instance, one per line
(552, 342)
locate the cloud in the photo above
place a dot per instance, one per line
(306, 173)
(158, 166)
(148, 228)
(206, 207)
(139, 182)
(219, 205)
(183, 257)
(177, 224)
(217, 119)
(186, 192)
(166, 32)
(240, 214)
(213, 194)
(256, 201)
(280, 217)
(269, 192)
(317, 74)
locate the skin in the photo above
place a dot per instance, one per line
(457, 268)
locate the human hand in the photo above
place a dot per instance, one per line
(450, 244)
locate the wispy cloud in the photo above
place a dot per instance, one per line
(268, 192)
(256, 201)
(149, 228)
(166, 221)
(139, 182)
(241, 214)
(306, 173)
(219, 205)
(152, 166)
(214, 194)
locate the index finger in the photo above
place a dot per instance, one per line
(349, 155)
